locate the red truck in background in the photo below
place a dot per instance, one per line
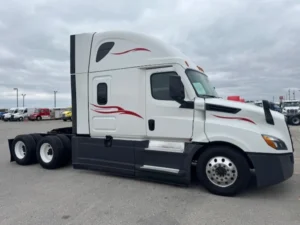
(235, 98)
(40, 114)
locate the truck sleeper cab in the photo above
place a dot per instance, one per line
(141, 108)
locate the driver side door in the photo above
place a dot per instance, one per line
(165, 118)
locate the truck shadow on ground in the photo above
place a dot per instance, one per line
(279, 191)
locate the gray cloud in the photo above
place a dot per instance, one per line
(248, 48)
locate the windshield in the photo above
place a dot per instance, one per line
(288, 104)
(36, 110)
(201, 83)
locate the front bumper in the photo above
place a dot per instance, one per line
(272, 169)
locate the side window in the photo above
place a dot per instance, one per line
(42, 111)
(160, 85)
(25, 111)
(102, 93)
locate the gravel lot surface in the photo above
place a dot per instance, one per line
(35, 196)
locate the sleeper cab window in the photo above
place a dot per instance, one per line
(160, 85)
(102, 94)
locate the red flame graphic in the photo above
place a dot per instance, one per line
(131, 50)
(235, 118)
(118, 110)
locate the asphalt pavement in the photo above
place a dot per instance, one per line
(30, 195)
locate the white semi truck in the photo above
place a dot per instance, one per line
(18, 114)
(142, 108)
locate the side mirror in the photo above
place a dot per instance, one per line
(176, 89)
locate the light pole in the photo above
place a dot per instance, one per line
(23, 95)
(16, 89)
(55, 98)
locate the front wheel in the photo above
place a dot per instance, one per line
(295, 120)
(223, 171)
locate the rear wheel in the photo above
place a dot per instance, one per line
(67, 146)
(36, 137)
(23, 149)
(223, 171)
(50, 152)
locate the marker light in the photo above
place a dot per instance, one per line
(200, 69)
(274, 142)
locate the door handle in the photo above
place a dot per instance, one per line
(151, 124)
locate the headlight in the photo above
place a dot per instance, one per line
(274, 142)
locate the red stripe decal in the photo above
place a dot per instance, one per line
(119, 110)
(235, 118)
(131, 50)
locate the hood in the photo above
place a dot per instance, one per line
(66, 112)
(291, 107)
(245, 111)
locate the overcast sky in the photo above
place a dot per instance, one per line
(247, 47)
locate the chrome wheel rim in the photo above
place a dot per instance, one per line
(221, 171)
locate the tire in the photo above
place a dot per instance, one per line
(67, 147)
(65, 120)
(295, 120)
(21, 119)
(234, 180)
(50, 152)
(36, 137)
(39, 118)
(23, 149)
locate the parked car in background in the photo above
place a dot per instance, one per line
(40, 114)
(273, 106)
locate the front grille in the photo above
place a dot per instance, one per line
(292, 111)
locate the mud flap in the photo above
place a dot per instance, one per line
(10, 141)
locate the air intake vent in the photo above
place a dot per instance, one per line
(220, 108)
